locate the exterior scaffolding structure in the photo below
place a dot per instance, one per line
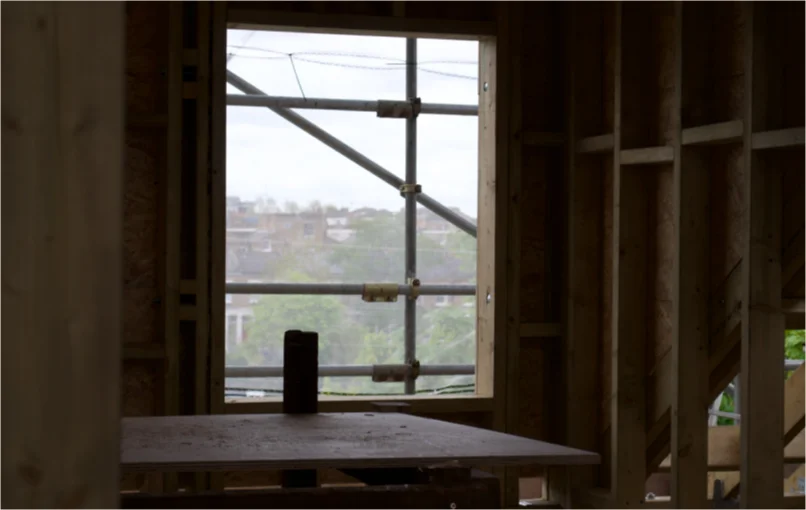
(356, 157)
(353, 370)
(346, 289)
(349, 105)
(409, 189)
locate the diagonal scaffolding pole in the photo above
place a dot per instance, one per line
(410, 311)
(356, 157)
(350, 105)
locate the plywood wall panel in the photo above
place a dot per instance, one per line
(140, 389)
(531, 412)
(792, 164)
(661, 237)
(147, 36)
(727, 211)
(146, 57)
(145, 160)
(533, 279)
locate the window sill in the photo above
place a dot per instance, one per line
(419, 405)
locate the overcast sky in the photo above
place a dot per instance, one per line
(267, 156)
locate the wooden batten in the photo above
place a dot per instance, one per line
(690, 340)
(762, 390)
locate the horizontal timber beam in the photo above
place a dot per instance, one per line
(248, 18)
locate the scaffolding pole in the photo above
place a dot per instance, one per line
(410, 193)
(356, 157)
(353, 371)
(351, 105)
(345, 289)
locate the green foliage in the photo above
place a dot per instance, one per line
(793, 345)
(727, 405)
(793, 349)
(352, 331)
(463, 247)
(449, 338)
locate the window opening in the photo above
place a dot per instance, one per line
(385, 272)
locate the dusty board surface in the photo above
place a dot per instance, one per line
(337, 440)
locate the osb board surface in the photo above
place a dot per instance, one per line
(326, 476)
(594, 73)
(146, 92)
(648, 55)
(141, 245)
(542, 66)
(795, 289)
(146, 57)
(713, 76)
(536, 162)
(660, 279)
(792, 164)
(786, 50)
(727, 61)
(608, 80)
(140, 388)
(727, 206)
(146, 95)
(531, 390)
(283, 441)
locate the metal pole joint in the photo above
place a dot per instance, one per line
(407, 188)
(409, 109)
(416, 106)
(380, 292)
(415, 288)
(415, 369)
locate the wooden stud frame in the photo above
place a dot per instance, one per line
(720, 116)
(496, 360)
(492, 215)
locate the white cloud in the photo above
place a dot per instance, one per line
(267, 156)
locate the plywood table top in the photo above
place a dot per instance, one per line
(332, 440)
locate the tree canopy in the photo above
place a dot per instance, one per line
(354, 332)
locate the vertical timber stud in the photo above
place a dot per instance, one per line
(689, 440)
(218, 87)
(492, 240)
(628, 398)
(202, 208)
(488, 357)
(300, 391)
(172, 211)
(202, 361)
(172, 219)
(62, 159)
(762, 319)
(487, 247)
(582, 310)
(513, 231)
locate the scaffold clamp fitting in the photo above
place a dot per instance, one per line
(415, 288)
(416, 106)
(380, 292)
(415, 369)
(410, 188)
